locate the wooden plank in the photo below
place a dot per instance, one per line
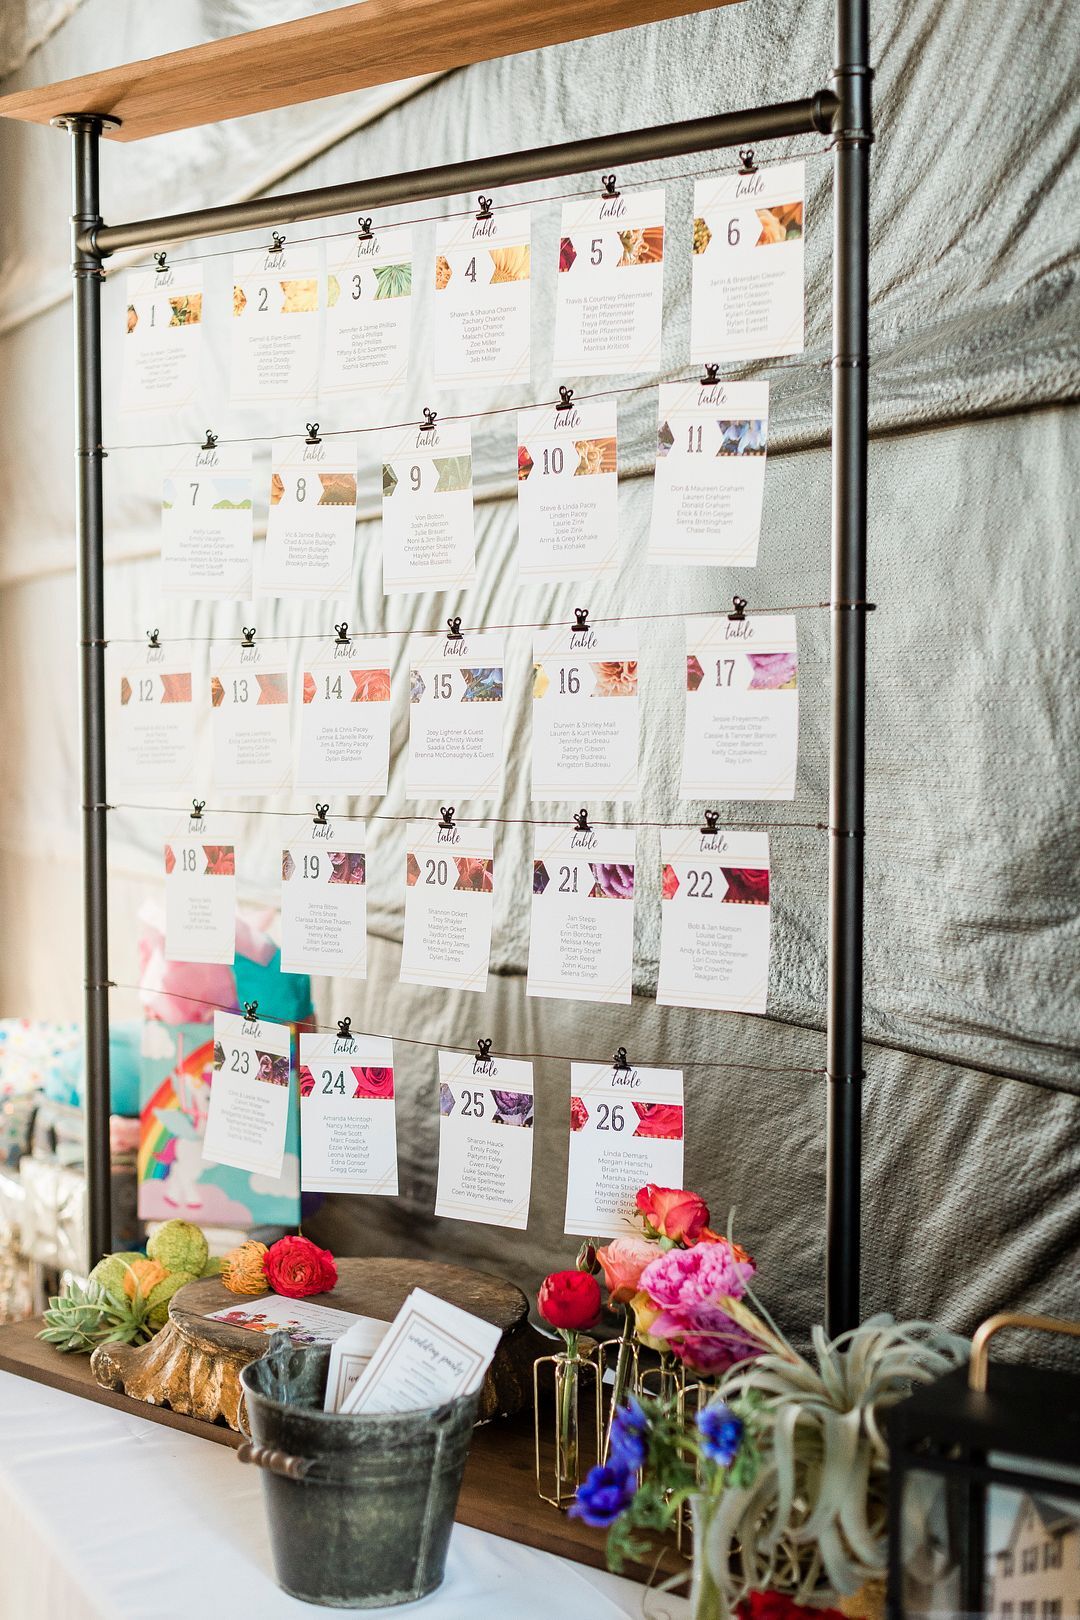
(376, 42)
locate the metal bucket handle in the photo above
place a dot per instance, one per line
(281, 1463)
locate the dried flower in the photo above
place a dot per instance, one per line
(242, 1268)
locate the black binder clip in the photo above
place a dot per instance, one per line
(619, 1063)
(278, 242)
(485, 207)
(152, 637)
(746, 158)
(344, 1029)
(710, 825)
(161, 260)
(319, 818)
(197, 808)
(609, 185)
(343, 638)
(365, 233)
(430, 418)
(566, 403)
(711, 377)
(739, 605)
(251, 1011)
(453, 630)
(446, 823)
(581, 626)
(248, 637)
(210, 442)
(483, 1052)
(581, 820)
(312, 433)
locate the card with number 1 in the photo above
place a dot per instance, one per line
(200, 894)
(345, 717)
(324, 901)
(249, 698)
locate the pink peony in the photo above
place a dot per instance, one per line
(683, 1279)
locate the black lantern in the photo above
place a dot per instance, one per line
(984, 1490)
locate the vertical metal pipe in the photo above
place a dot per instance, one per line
(853, 135)
(89, 532)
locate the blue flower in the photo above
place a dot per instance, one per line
(603, 1495)
(721, 1431)
(629, 1427)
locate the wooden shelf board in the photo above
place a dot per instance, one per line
(498, 1493)
(354, 48)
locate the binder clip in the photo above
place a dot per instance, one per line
(566, 403)
(248, 637)
(739, 605)
(319, 818)
(712, 376)
(344, 1029)
(485, 207)
(453, 630)
(430, 418)
(446, 824)
(251, 1011)
(343, 638)
(746, 158)
(210, 442)
(483, 1052)
(581, 621)
(152, 637)
(365, 233)
(312, 433)
(609, 186)
(161, 260)
(619, 1063)
(581, 820)
(711, 823)
(278, 242)
(197, 808)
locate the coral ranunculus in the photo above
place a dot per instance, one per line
(623, 1260)
(673, 1213)
(569, 1300)
(242, 1268)
(296, 1267)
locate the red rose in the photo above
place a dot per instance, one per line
(569, 1300)
(779, 1606)
(673, 1213)
(294, 1266)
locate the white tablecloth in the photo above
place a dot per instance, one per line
(104, 1516)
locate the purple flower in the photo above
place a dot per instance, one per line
(721, 1432)
(629, 1427)
(602, 1496)
(513, 1107)
(612, 881)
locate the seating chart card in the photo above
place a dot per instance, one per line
(568, 492)
(368, 311)
(485, 1139)
(249, 698)
(710, 473)
(344, 726)
(747, 276)
(427, 508)
(250, 1094)
(714, 920)
(455, 717)
(581, 946)
(348, 1140)
(585, 713)
(311, 528)
(482, 309)
(742, 708)
(206, 524)
(324, 901)
(626, 1129)
(162, 348)
(274, 350)
(200, 895)
(153, 735)
(449, 889)
(610, 287)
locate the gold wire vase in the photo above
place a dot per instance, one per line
(567, 1409)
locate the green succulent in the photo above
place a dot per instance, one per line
(82, 1317)
(179, 1246)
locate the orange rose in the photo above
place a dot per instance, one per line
(674, 1213)
(242, 1268)
(623, 1260)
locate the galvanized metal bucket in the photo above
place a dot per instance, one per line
(360, 1507)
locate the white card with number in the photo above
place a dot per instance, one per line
(249, 708)
(311, 527)
(324, 901)
(626, 1130)
(746, 288)
(368, 312)
(200, 895)
(345, 717)
(348, 1137)
(153, 737)
(485, 1138)
(714, 919)
(163, 346)
(427, 509)
(568, 491)
(609, 298)
(206, 524)
(274, 350)
(742, 708)
(482, 308)
(581, 945)
(250, 1094)
(709, 482)
(449, 896)
(585, 713)
(455, 717)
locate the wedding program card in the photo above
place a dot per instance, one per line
(742, 708)
(485, 1139)
(349, 1357)
(368, 312)
(455, 717)
(162, 347)
(249, 719)
(345, 718)
(275, 324)
(585, 713)
(427, 508)
(311, 528)
(581, 946)
(153, 739)
(714, 920)
(206, 524)
(348, 1140)
(200, 895)
(324, 902)
(449, 889)
(249, 1095)
(433, 1352)
(710, 473)
(626, 1129)
(482, 299)
(610, 287)
(747, 277)
(568, 492)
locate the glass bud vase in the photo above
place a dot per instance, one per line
(567, 1419)
(707, 1601)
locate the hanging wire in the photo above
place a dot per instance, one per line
(480, 821)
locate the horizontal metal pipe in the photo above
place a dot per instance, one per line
(787, 118)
